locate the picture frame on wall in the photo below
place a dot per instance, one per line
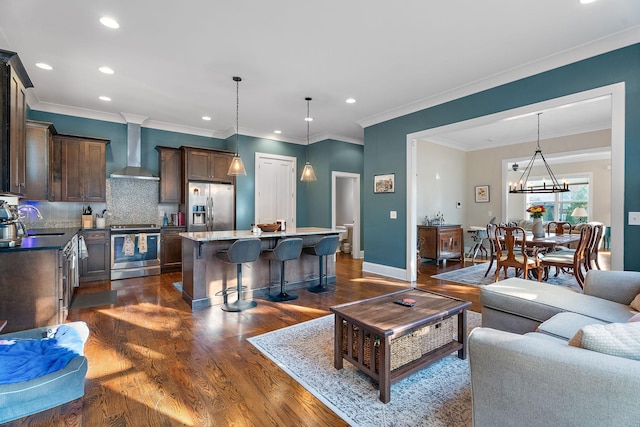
(482, 193)
(384, 183)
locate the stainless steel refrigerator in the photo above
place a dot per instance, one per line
(210, 207)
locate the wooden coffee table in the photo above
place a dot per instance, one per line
(367, 332)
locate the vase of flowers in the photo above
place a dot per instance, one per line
(536, 213)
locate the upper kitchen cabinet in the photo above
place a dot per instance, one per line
(13, 84)
(170, 167)
(207, 165)
(39, 155)
(82, 168)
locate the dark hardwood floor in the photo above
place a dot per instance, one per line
(154, 362)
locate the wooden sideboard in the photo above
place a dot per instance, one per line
(440, 242)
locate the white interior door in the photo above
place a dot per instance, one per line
(275, 189)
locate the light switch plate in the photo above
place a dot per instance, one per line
(634, 218)
(393, 214)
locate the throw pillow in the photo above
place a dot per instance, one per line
(616, 339)
(635, 318)
(635, 304)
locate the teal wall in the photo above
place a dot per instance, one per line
(385, 144)
(313, 201)
(328, 156)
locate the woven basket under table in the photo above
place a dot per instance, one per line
(406, 348)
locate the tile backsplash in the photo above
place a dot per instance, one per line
(128, 201)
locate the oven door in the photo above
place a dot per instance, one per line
(134, 255)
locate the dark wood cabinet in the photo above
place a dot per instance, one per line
(13, 109)
(97, 266)
(171, 249)
(170, 167)
(39, 147)
(440, 242)
(207, 165)
(31, 286)
(82, 168)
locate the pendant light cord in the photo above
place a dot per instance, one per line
(238, 113)
(308, 120)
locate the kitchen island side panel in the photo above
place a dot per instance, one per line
(30, 289)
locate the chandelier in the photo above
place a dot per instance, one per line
(307, 173)
(237, 167)
(524, 187)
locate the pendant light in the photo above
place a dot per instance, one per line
(307, 173)
(523, 187)
(237, 167)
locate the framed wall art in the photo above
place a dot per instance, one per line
(384, 183)
(482, 193)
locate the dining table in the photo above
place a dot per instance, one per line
(552, 240)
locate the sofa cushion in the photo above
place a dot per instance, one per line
(565, 325)
(635, 304)
(541, 301)
(616, 339)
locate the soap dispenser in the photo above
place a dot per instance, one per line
(165, 220)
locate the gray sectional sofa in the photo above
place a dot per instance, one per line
(524, 373)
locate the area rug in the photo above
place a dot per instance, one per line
(438, 395)
(93, 299)
(474, 275)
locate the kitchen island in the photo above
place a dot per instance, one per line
(205, 278)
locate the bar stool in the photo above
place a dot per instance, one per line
(326, 246)
(285, 250)
(240, 251)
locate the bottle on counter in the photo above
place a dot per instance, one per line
(165, 220)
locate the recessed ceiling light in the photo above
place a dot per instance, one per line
(106, 70)
(308, 119)
(44, 66)
(104, 98)
(351, 101)
(109, 22)
(207, 118)
(277, 131)
(586, 1)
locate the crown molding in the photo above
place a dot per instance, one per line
(585, 51)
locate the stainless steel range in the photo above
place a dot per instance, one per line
(135, 250)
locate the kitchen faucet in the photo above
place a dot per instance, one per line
(30, 207)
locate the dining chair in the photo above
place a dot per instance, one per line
(594, 245)
(558, 227)
(512, 251)
(493, 241)
(574, 260)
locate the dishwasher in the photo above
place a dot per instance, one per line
(70, 276)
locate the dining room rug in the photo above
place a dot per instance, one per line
(474, 275)
(438, 395)
(93, 299)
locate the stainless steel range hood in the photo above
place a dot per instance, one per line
(133, 170)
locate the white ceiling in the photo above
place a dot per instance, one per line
(174, 61)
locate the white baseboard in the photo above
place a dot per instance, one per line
(385, 270)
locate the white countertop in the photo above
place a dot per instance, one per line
(208, 236)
